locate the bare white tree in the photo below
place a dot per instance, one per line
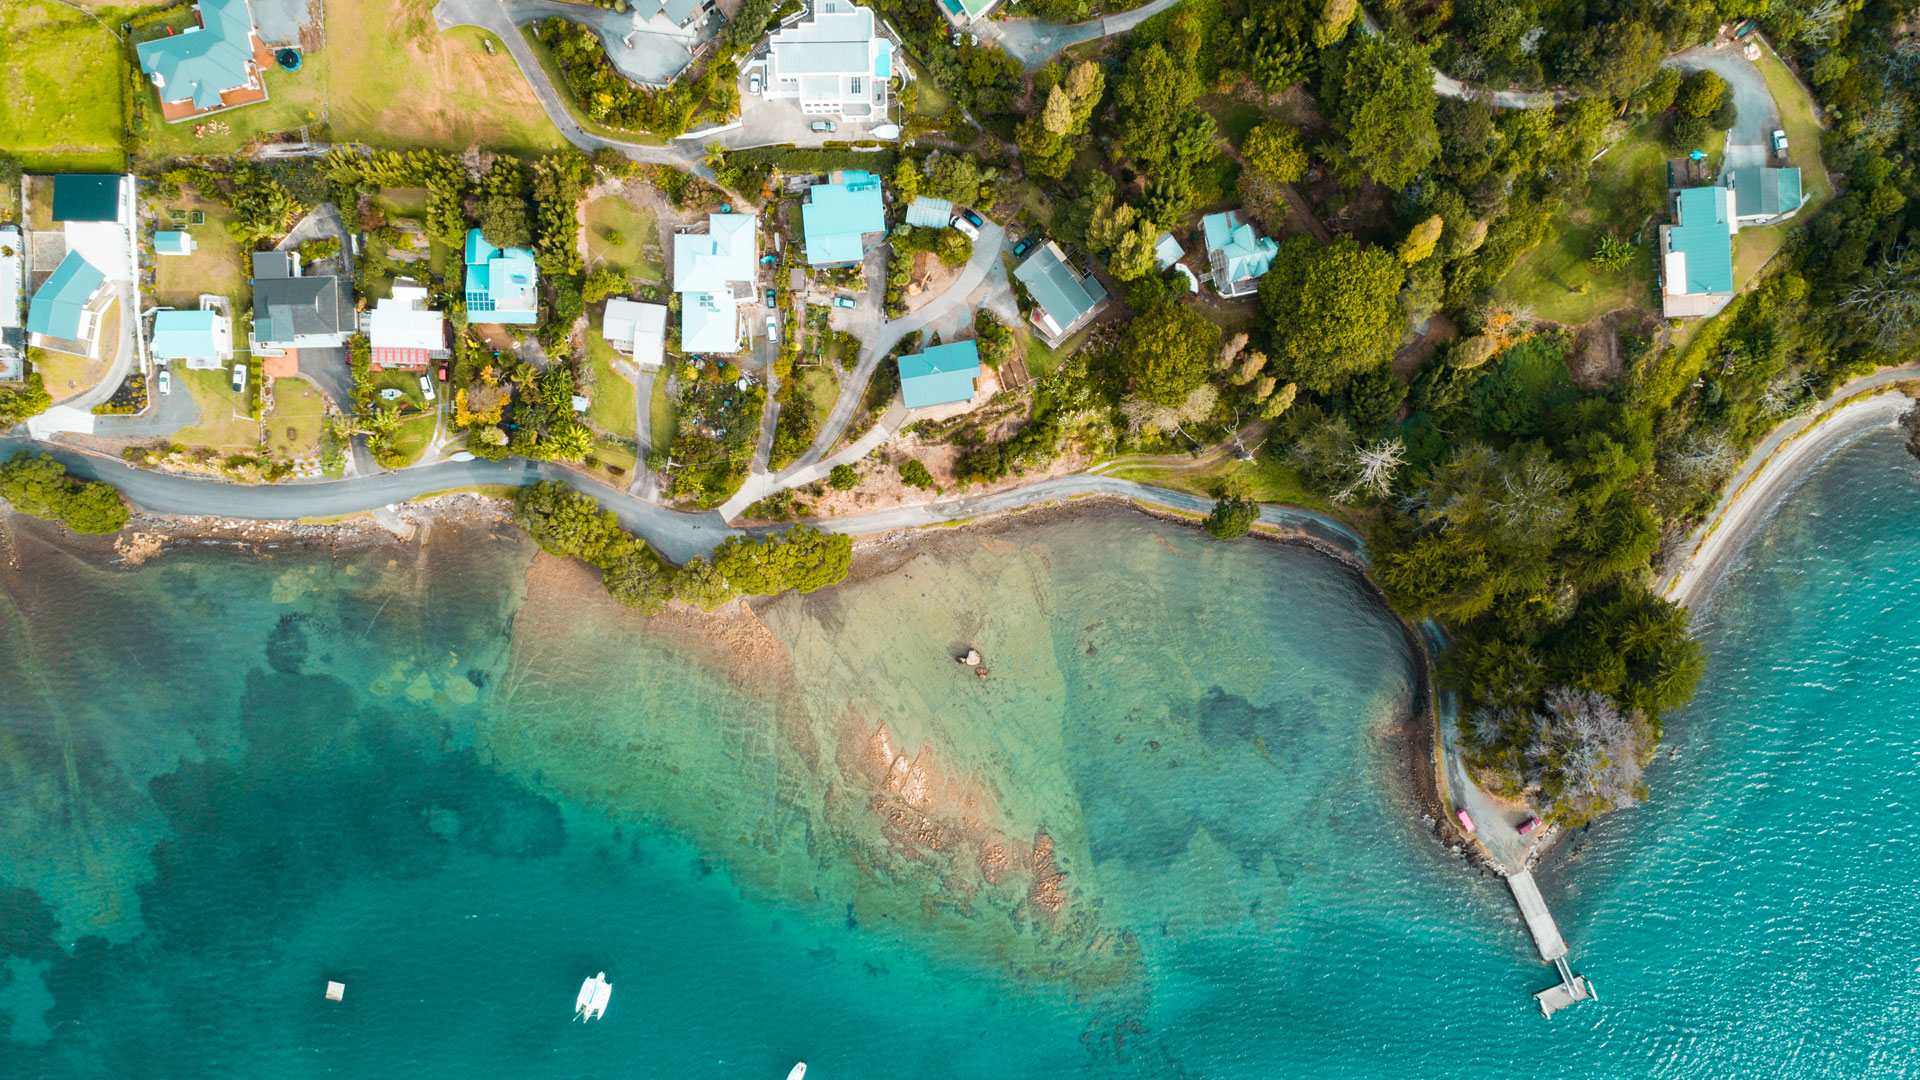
(1705, 455)
(1371, 469)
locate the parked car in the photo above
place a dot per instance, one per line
(773, 329)
(822, 125)
(843, 301)
(1466, 823)
(165, 382)
(1529, 825)
(772, 300)
(965, 228)
(1022, 248)
(443, 371)
(753, 83)
(426, 387)
(972, 218)
(239, 378)
(1780, 142)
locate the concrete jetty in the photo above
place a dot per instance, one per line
(1551, 946)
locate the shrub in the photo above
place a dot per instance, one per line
(843, 478)
(1232, 518)
(39, 486)
(915, 474)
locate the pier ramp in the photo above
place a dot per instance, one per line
(1551, 946)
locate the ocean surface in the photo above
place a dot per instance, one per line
(1167, 836)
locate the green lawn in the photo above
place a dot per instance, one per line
(224, 424)
(638, 231)
(1627, 192)
(930, 99)
(821, 390)
(293, 427)
(663, 415)
(1266, 479)
(614, 406)
(405, 381)
(409, 202)
(218, 264)
(410, 439)
(61, 81)
(613, 454)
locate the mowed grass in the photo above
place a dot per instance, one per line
(820, 390)
(1754, 246)
(67, 374)
(293, 427)
(224, 424)
(1266, 479)
(637, 231)
(663, 415)
(387, 79)
(217, 266)
(410, 439)
(1628, 191)
(60, 88)
(614, 398)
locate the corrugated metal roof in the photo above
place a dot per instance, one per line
(1703, 240)
(939, 376)
(1065, 298)
(56, 309)
(837, 216)
(205, 61)
(184, 335)
(928, 213)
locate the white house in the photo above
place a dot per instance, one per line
(638, 329)
(404, 332)
(706, 266)
(835, 63)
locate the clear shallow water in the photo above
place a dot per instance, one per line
(224, 780)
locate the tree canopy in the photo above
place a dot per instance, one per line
(37, 485)
(802, 559)
(1169, 351)
(1384, 109)
(1334, 310)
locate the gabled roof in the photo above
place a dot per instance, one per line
(677, 10)
(1167, 250)
(86, 197)
(709, 322)
(56, 309)
(288, 308)
(1702, 239)
(172, 243)
(940, 375)
(837, 216)
(1065, 297)
(641, 326)
(1235, 249)
(206, 60)
(184, 335)
(706, 262)
(403, 321)
(928, 213)
(1760, 192)
(502, 283)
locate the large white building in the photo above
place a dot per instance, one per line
(835, 63)
(706, 266)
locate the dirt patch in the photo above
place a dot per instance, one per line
(880, 487)
(1599, 345)
(1408, 358)
(932, 277)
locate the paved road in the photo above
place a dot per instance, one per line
(644, 484)
(1758, 115)
(758, 485)
(1033, 42)
(655, 57)
(173, 412)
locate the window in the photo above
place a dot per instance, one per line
(856, 86)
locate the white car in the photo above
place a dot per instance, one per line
(825, 126)
(753, 83)
(239, 378)
(1780, 142)
(426, 387)
(773, 329)
(165, 383)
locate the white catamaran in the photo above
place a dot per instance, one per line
(592, 1001)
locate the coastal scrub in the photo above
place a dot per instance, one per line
(38, 485)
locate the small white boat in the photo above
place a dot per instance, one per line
(799, 1072)
(592, 999)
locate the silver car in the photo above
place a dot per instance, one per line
(823, 125)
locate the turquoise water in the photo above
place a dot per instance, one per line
(460, 786)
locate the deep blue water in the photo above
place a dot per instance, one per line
(226, 779)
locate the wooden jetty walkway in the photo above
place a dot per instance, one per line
(1552, 947)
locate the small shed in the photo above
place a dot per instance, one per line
(172, 243)
(925, 213)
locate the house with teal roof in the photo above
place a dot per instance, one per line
(1762, 195)
(1064, 299)
(942, 375)
(209, 67)
(64, 314)
(202, 339)
(172, 243)
(841, 220)
(706, 267)
(1238, 254)
(1696, 253)
(503, 285)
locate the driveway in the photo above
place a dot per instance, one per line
(1033, 42)
(1758, 116)
(772, 121)
(328, 370)
(174, 412)
(656, 55)
(279, 22)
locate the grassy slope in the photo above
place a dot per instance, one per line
(60, 88)
(217, 265)
(664, 416)
(638, 231)
(1753, 246)
(1266, 479)
(293, 427)
(399, 84)
(224, 424)
(614, 406)
(1628, 188)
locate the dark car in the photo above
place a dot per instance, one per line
(1022, 248)
(771, 301)
(972, 218)
(1529, 825)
